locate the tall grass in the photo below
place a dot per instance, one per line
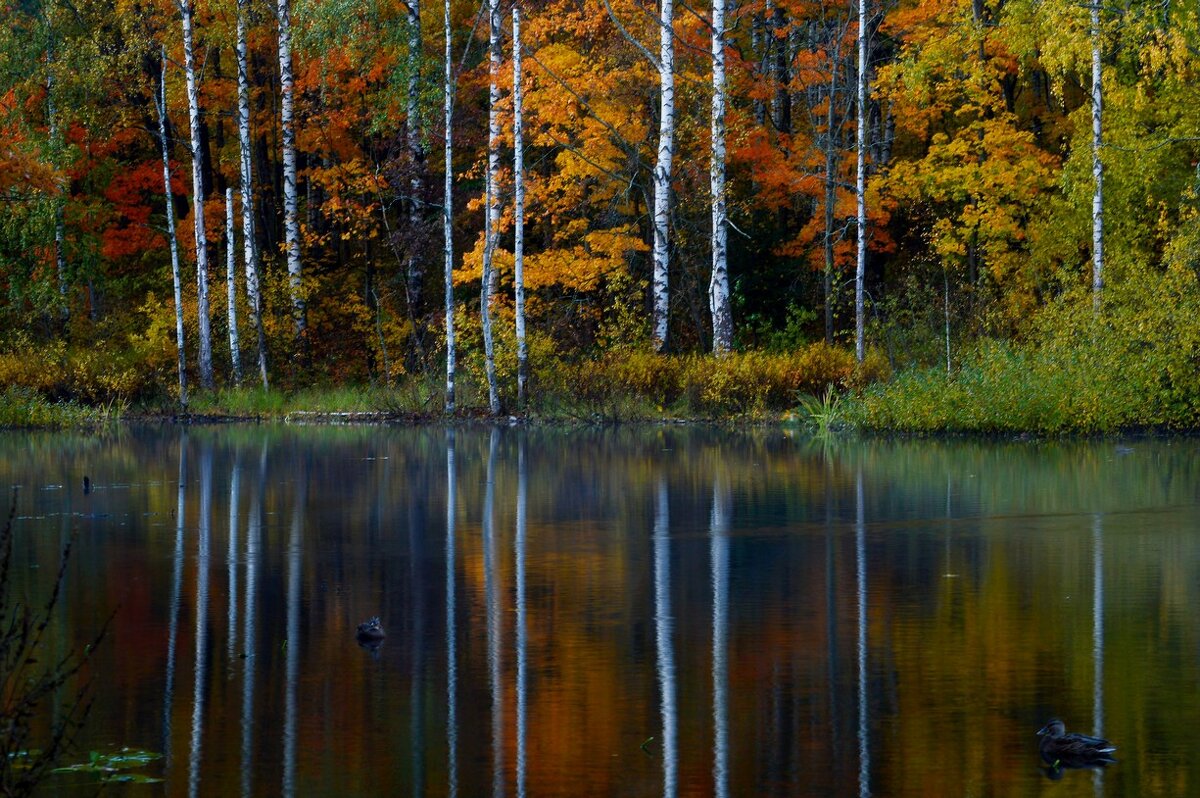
(25, 408)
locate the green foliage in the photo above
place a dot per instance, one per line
(1135, 365)
(822, 413)
(117, 767)
(21, 407)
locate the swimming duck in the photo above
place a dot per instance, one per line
(1060, 749)
(370, 630)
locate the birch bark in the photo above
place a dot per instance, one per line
(662, 175)
(492, 213)
(718, 289)
(1097, 166)
(414, 269)
(249, 237)
(172, 237)
(448, 211)
(859, 186)
(291, 219)
(193, 93)
(519, 215)
(235, 356)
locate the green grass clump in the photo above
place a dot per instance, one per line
(24, 408)
(1135, 365)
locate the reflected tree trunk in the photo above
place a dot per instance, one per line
(491, 590)
(663, 625)
(176, 590)
(860, 560)
(292, 642)
(416, 546)
(1098, 638)
(201, 670)
(232, 558)
(253, 547)
(451, 632)
(521, 638)
(719, 552)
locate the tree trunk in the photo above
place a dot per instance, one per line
(291, 219)
(831, 169)
(519, 216)
(415, 272)
(859, 186)
(492, 203)
(172, 238)
(235, 356)
(448, 212)
(189, 67)
(718, 289)
(1097, 166)
(249, 238)
(662, 174)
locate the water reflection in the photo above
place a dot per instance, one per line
(663, 646)
(691, 611)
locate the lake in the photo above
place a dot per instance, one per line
(629, 611)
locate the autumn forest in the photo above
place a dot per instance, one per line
(712, 207)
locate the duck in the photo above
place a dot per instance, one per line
(370, 630)
(1060, 749)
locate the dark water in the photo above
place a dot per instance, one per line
(633, 612)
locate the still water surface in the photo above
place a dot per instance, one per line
(640, 611)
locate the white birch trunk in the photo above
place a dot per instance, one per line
(193, 93)
(860, 269)
(448, 212)
(291, 218)
(718, 288)
(249, 239)
(415, 272)
(662, 174)
(235, 356)
(1097, 166)
(519, 215)
(172, 237)
(492, 197)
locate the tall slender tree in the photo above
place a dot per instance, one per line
(416, 154)
(860, 269)
(193, 94)
(235, 355)
(718, 289)
(56, 144)
(492, 203)
(291, 215)
(662, 174)
(448, 209)
(1097, 165)
(519, 214)
(246, 162)
(172, 237)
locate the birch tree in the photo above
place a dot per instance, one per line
(718, 289)
(291, 219)
(193, 94)
(172, 238)
(662, 173)
(235, 357)
(859, 185)
(448, 210)
(492, 203)
(414, 271)
(519, 215)
(1097, 166)
(249, 237)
